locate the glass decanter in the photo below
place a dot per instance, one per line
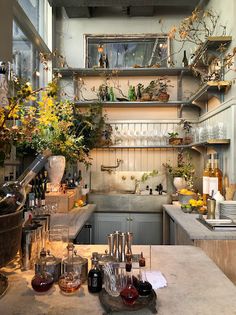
(129, 294)
(144, 287)
(69, 282)
(43, 280)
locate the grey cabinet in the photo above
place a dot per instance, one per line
(146, 227)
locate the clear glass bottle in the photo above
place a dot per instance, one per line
(42, 281)
(95, 277)
(69, 282)
(129, 294)
(144, 287)
(13, 194)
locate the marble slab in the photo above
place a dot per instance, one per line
(196, 286)
(75, 219)
(195, 229)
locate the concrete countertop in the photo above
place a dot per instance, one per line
(195, 229)
(74, 219)
(196, 286)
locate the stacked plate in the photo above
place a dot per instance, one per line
(228, 209)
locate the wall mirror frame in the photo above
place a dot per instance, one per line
(127, 50)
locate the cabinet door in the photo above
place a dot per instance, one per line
(106, 223)
(146, 228)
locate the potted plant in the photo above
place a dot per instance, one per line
(187, 128)
(182, 174)
(162, 95)
(174, 139)
(51, 123)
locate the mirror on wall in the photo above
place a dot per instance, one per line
(127, 51)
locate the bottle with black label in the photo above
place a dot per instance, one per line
(95, 277)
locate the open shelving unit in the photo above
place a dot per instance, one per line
(210, 142)
(92, 72)
(129, 104)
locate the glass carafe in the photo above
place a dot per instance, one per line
(129, 294)
(42, 281)
(69, 282)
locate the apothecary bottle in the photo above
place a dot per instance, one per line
(43, 280)
(129, 294)
(95, 277)
(144, 287)
(69, 282)
(13, 194)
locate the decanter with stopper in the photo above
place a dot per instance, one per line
(69, 282)
(129, 294)
(144, 287)
(43, 280)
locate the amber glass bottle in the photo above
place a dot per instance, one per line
(218, 173)
(205, 180)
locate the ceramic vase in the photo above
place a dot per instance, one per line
(55, 167)
(179, 183)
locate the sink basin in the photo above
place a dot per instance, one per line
(112, 192)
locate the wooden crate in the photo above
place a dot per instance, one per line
(65, 202)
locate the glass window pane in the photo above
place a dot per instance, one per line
(25, 57)
(38, 13)
(127, 52)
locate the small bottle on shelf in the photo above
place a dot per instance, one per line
(213, 179)
(106, 62)
(185, 60)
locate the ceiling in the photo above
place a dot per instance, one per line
(132, 8)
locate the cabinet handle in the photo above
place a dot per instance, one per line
(127, 219)
(131, 219)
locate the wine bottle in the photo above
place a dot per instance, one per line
(95, 277)
(218, 173)
(185, 60)
(13, 194)
(205, 181)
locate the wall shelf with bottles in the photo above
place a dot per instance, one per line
(90, 72)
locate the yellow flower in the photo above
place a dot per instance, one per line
(199, 203)
(193, 202)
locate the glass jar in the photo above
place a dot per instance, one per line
(69, 282)
(43, 280)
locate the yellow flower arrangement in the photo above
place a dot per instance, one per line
(44, 122)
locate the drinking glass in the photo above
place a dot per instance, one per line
(114, 279)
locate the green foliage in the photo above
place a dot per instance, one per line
(145, 176)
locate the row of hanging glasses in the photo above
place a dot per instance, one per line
(130, 137)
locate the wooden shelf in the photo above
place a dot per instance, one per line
(167, 146)
(212, 43)
(130, 104)
(208, 90)
(91, 72)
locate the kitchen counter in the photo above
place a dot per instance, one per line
(195, 286)
(195, 229)
(181, 228)
(74, 219)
